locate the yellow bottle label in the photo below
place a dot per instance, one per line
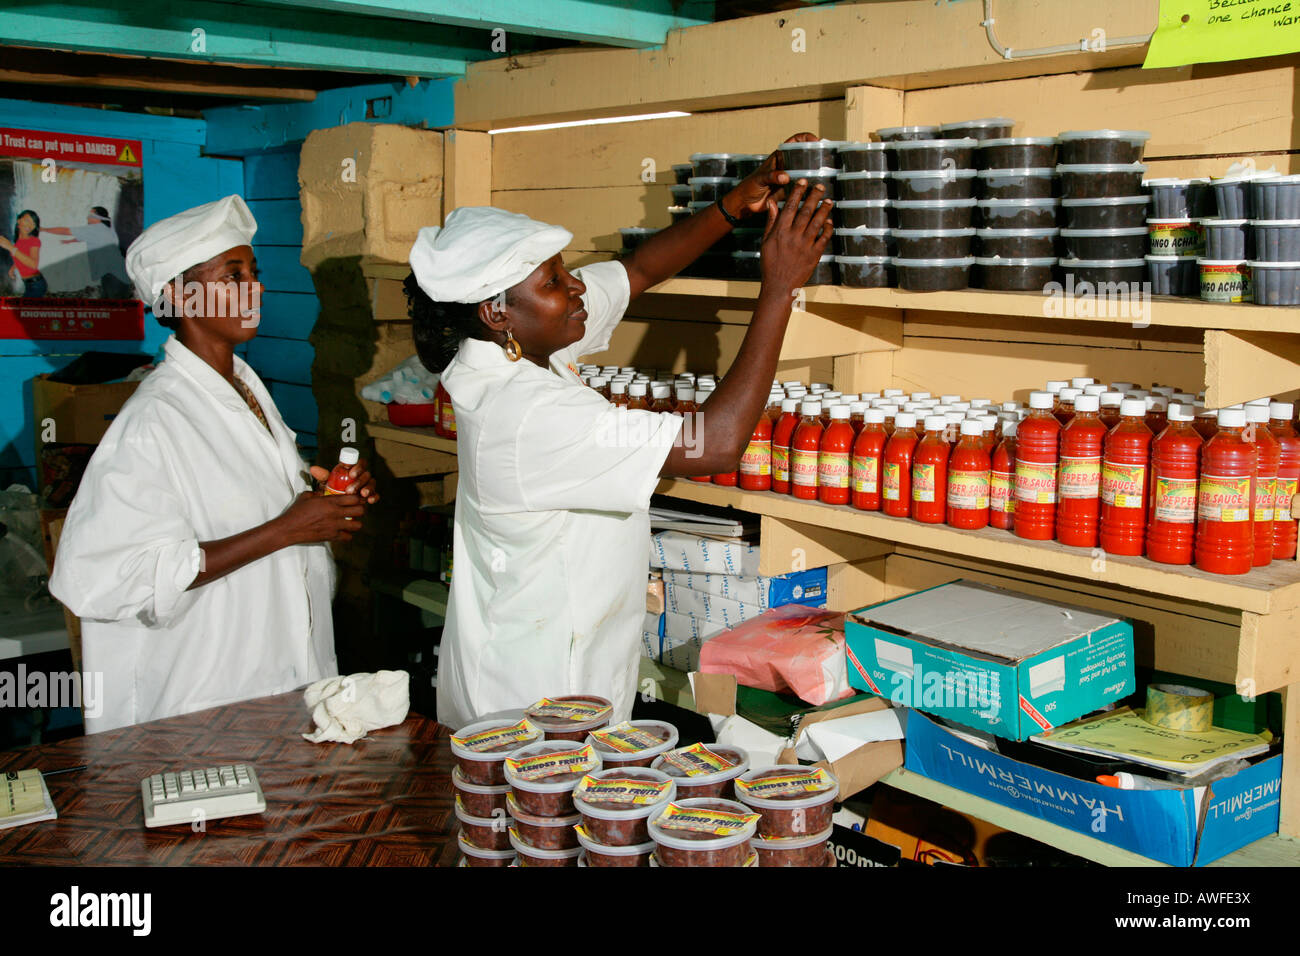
(1035, 482)
(892, 485)
(1223, 499)
(866, 473)
(833, 469)
(1123, 486)
(1079, 477)
(1175, 500)
(968, 490)
(923, 482)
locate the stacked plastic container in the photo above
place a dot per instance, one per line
(818, 165)
(863, 215)
(1104, 237)
(933, 172)
(1018, 213)
(1224, 273)
(1175, 234)
(1275, 271)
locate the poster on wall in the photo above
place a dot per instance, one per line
(70, 205)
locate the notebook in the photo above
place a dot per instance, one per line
(24, 798)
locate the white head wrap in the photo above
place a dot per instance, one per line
(480, 251)
(172, 245)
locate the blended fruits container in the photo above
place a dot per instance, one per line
(633, 743)
(1104, 212)
(544, 833)
(596, 854)
(1018, 213)
(542, 776)
(1102, 145)
(862, 213)
(480, 748)
(866, 272)
(933, 275)
(1016, 183)
(793, 801)
(472, 855)
(934, 154)
(1013, 275)
(703, 770)
(1174, 275)
(811, 155)
(994, 127)
(1275, 283)
(489, 833)
(479, 799)
(861, 157)
(1021, 152)
(1017, 243)
(934, 213)
(863, 242)
(866, 184)
(1127, 243)
(1228, 239)
(1176, 237)
(702, 832)
(616, 803)
(1225, 280)
(1091, 180)
(1131, 271)
(534, 856)
(793, 851)
(571, 717)
(933, 183)
(933, 243)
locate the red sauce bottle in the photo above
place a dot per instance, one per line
(446, 426)
(1064, 409)
(1037, 441)
(1109, 410)
(896, 480)
(1124, 481)
(773, 410)
(1171, 500)
(636, 393)
(781, 435)
(1002, 479)
(804, 447)
(990, 433)
(338, 481)
(756, 462)
(618, 393)
(1157, 416)
(1288, 479)
(1078, 483)
(968, 478)
(833, 459)
(857, 413)
(1207, 422)
(1268, 457)
(930, 472)
(1225, 527)
(889, 410)
(662, 400)
(865, 468)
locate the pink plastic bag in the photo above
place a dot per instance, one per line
(789, 649)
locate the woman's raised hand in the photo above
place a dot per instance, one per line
(796, 236)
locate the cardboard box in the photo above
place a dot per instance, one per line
(81, 413)
(709, 607)
(798, 587)
(678, 551)
(1162, 824)
(989, 658)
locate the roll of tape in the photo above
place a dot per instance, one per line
(1175, 707)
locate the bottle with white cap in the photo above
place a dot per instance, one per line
(804, 448)
(1225, 528)
(1081, 383)
(636, 395)
(662, 394)
(1288, 478)
(1002, 478)
(1268, 455)
(896, 483)
(1175, 470)
(1124, 481)
(1064, 410)
(865, 466)
(1079, 477)
(618, 392)
(930, 472)
(1109, 407)
(340, 478)
(782, 433)
(833, 468)
(968, 478)
(1037, 454)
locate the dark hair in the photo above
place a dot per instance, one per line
(102, 213)
(172, 319)
(438, 327)
(36, 228)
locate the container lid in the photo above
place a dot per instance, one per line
(741, 828)
(1176, 221)
(1100, 263)
(998, 261)
(793, 843)
(711, 180)
(864, 260)
(964, 143)
(972, 427)
(1283, 410)
(1001, 203)
(525, 731)
(863, 231)
(819, 171)
(863, 203)
(1274, 223)
(1042, 233)
(588, 762)
(1086, 403)
(931, 233)
(874, 416)
(789, 405)
(1273, 265)
(1017, 141)
(903, 129)
(1213, 222)
(1017, 171)
(816, 143)
(1264, 181)
(1167, 181)
(695, 157)
(859, 147)
(810, 408)
(864, 174)
(1125, 231)
(469, 849)
(963, 262)
(683, 165)
(840, 411)
(1110, 398)
(698, 204)
(904, 419)
(349, 456)
(1133, 407)
(524, 849)
(633, 230)
(931, 203)
(1172, 259)
(1066, 168)
(936, 423)
(672, 210)
(1245, 177)
(987, 121)
(1107, 201)
(1221, 262)
(1041, 400)
(1132, 135)
(591, 846)
(948, 174)
(1232, 418)
(659, 788)
(1181, 412)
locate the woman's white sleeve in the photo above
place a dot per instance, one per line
(128, 548)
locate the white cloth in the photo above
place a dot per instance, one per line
(187, 461)
(480, 251)
(172, 245)
(345, 709)
(552, 531)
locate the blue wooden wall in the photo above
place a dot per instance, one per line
(176, 177)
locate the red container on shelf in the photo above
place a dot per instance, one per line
(865, 466)
(1002, 480)
(410, 416)
(968, 479)
(1225, 526)
(930, 472)
(1078, 484)
(1288, 478)
(1268, 457)
(833, 458)
(445, 426)
(1171, 496)
(896, 480)
(804, 448)
(1037, 453)
(756, 462)
(782, 432)
(1126, 462)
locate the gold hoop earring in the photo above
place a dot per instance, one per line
(513, 351)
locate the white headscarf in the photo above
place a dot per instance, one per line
(480, 251)
(172, 245)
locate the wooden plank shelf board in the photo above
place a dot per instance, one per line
(420, 437)
(1163, 310)
(1263, 590)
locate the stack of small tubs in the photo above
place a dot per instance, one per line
(713, 175)
(817, 163)
(1105, 233)
(1017, 212)
(862, 216)
(1252, 249)
(932, 168)
(1275, 273)
(1175, 233)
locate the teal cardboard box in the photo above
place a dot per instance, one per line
(991, 659)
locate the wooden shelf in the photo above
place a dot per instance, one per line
(1165, 310)
(1262, 591)
(420, 437)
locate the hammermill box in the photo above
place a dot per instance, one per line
(989, 658)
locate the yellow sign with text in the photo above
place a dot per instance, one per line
(1210, 31)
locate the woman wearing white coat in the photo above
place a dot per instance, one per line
(551, 540)
(195, 551)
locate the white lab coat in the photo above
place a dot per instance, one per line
(187, 461)
(552, 531)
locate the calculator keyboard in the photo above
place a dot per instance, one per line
(201, 794)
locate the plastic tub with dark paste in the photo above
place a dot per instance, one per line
(913, 184)
(678, 213)
(1128, 243)
(810, 155)
(933, 154)
(542, 776)
(1104, 212)
(481, 748)
(703, 770)
(711, 188)
(535, 856)
(1180, 198)
(1017, 243)
(993, 127)
(571, 717)
(615, 803)
(479, 799)
(1016, 183)
(1092, 180)
(793, 801)
(596, 854)
(867, 184)
(1228, 239)
(478, 856)
(747, 266)
(899, 134)
(681, 194)
(1225, 281)
(633, 236)
(861, 157)
(1102, 145)
(823, 176)
(1275, 283)
(1022, 152)
(1275, 197)
(863, 242)
(1131, 271)
(1277, 240)
(683, 172)
(933, 243)
(747, 163)
(933, 275)
(490, 833)
(865, 213)
(935, 213)
(1174, 275)
(545, 833)
(712, 164)
(702, 832)
(793, 851)
(866, 272)
(1018, 213)
(1013, 275)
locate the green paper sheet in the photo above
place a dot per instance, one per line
(1211, 31)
